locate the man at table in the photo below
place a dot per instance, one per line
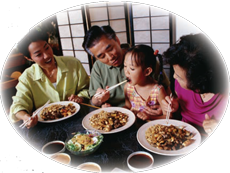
(103, 44)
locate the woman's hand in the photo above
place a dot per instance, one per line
(23, 115)
(172, 102)
(209, 124)
(75, 98)
(32, 121)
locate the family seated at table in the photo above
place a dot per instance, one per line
(201, 86)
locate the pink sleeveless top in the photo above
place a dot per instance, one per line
(137, 102)
(193, 109)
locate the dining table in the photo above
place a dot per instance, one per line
(112, 153)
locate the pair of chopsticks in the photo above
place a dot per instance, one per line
(85, 104)
(168, 110)
(23, 125)
(109, 89)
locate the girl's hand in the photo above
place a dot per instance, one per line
(154, 110)
(75, 98)
(143, 116)
(174, 105)
(209, 124)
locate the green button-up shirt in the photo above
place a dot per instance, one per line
(103, 75)
(34, 88)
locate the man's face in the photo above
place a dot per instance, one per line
(108, 51)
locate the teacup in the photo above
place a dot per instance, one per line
(140, 161)
(53, 147)
(90, 166)
(61, 158)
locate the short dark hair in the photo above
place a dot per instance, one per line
(94, 34)
(33, 35)
(205, 70)
(144, 56)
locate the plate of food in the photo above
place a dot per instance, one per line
(58, 111)
(109, 120)
(172, 138)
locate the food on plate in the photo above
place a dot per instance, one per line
(108, 121)
(57, 111)
(168, 137)
(84, 141)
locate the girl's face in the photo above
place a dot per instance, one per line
(180, 76)
(134, 73)
(42, 54)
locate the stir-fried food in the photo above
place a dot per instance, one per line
(57, 111)
(108, 121)
(168, 137)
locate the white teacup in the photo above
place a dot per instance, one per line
(53, 147)
(140, 161)
(90, 166)
(61, 158)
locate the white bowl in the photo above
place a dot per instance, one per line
(89, 166)
(61, 158)
(140, 161)
(53, 147)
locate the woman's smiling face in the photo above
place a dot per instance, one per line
(41, 53)
(180, 76)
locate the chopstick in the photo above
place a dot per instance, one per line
(89, 105)
(110, 88)
(23, 125)
(168, 110)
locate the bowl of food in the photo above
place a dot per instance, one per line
(83, 143)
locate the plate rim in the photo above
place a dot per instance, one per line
(114, 130)
(144, 127)
(60, 119)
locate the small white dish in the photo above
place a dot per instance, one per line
(61, 158)
(116, 170)
(90, 166)
(53, 147)
(140, 161)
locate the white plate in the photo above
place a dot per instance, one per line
(144, 143)
(86, 122)
(60, 119)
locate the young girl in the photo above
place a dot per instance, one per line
(142, 91)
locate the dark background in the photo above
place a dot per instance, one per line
(34, 12)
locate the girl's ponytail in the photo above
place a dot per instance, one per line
(160, 78)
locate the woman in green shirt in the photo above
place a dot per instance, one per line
(54, 78)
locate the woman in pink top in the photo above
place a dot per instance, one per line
(201, 82)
